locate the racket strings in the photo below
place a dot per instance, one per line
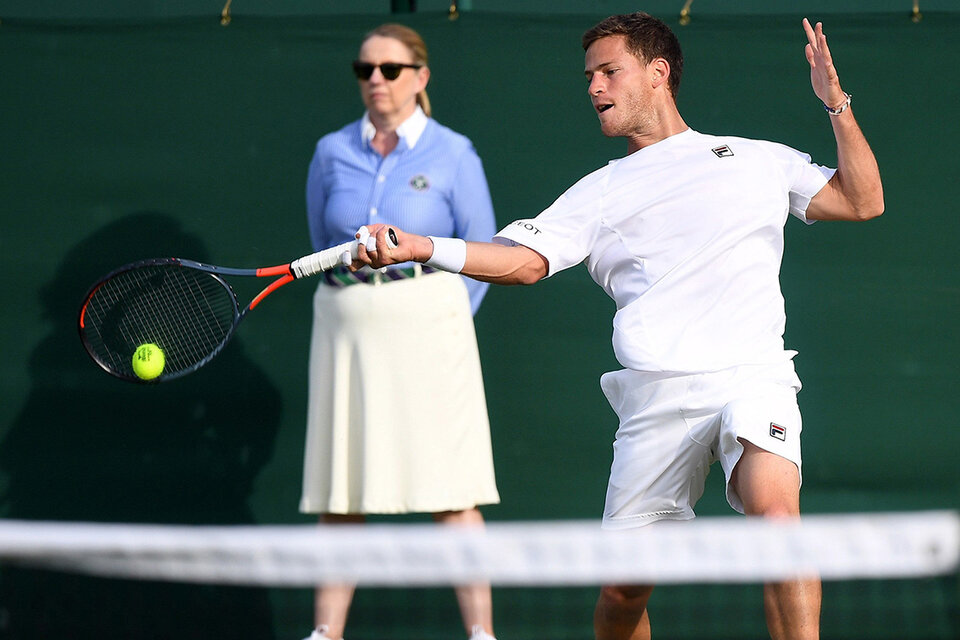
(212, 329)
(189, 314)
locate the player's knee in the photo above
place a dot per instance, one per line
(774, 506)
(775, 510)
(632, 597)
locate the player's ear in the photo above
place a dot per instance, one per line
(659, 72)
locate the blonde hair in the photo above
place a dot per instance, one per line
(414, 43)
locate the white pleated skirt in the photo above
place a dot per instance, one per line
(397, 418)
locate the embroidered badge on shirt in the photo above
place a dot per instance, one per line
(778, 432)
(722, 152)
(420, 183)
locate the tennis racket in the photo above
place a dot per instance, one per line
(184, 307)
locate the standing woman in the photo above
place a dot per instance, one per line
(379, 442)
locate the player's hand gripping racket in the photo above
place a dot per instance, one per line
(185, 308)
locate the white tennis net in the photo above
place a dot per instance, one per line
(717, 549)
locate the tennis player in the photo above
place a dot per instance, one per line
(685, 233)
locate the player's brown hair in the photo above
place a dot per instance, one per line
(414, 43)
(647, 38)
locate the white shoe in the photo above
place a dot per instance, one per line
(320, 633)
(477, 633)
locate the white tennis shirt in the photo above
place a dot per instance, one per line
(686, 236)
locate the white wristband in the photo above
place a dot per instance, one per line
(449, 254)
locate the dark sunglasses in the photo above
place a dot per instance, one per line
(390, 70)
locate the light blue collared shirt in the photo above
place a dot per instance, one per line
(432, 183)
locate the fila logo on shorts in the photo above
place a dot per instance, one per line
(778, 432)
(722, 152)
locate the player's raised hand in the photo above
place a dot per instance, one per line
(823, 75)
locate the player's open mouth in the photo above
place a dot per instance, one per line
(603, 107)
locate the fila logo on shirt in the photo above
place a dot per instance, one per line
(778, 432)
(722, 152)
(419, 182)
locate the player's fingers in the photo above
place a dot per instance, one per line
(361, 258)
(362, 235)
(811, 36)
(386, 243)
(381, 248)
(822, 48)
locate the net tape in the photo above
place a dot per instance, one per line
(709, 549)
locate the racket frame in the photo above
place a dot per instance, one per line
(216, 274)
(286, 273)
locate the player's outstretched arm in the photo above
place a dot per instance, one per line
(485, 261)
(855, 192)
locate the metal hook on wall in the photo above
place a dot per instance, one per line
(225, 14)
(685, 13)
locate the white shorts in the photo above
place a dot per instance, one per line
(673, 427)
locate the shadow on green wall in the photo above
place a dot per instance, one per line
(87, 447)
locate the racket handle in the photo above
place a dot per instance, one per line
(342, 254)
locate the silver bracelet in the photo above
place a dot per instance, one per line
(449, 254)
(838, 110)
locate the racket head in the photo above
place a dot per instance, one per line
(189, 313)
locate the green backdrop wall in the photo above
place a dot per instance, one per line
(137, 138)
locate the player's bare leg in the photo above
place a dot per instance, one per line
(332, 601)
(769, 486)
(621, 613)
(475, 600)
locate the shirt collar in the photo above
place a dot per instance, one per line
(409, 130)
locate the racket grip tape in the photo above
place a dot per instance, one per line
(327, 259)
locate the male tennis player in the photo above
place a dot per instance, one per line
(685, 233)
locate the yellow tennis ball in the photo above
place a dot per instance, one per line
(148, 361)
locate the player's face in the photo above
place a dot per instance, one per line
(390, 98)
(619, 87)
